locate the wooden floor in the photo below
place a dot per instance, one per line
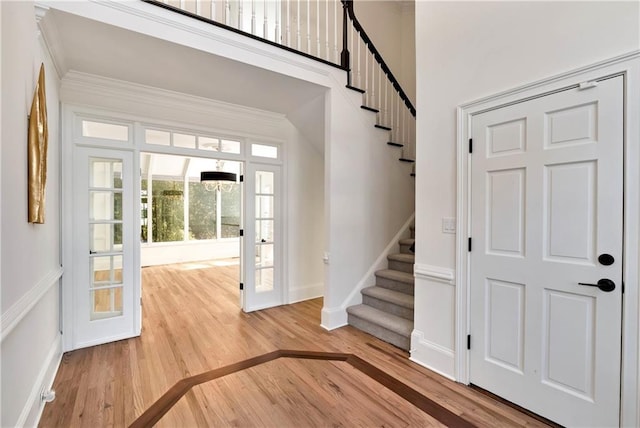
(192, 323)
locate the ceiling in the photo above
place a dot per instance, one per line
(96, 48)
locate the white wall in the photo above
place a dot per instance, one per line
(30, 255)
(391, 26)
(464, 51)
(305, 218)
(179, 252)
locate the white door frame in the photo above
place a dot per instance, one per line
(628, 66)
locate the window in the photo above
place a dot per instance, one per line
(264, 151)
(173, 212)
(202, 212)
(167, 210)
(107, 131)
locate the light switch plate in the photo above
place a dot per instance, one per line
(448, 225)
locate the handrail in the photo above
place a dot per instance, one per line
(348, 6)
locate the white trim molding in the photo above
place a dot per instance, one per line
(32, 410)
(12, 316)
(441, 359)
(434, 273)
(307, 292)
(628, 66)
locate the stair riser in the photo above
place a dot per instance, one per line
(404, 249)
(401, 266)
(381, 333)
(391, 308)
(402, 287)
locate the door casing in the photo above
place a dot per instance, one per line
(628, 66)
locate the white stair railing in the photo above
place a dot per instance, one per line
(329, 31)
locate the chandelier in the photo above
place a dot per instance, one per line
(218, 180)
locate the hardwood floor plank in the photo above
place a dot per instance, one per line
(192, 324)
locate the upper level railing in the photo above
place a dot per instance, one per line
(326, 31)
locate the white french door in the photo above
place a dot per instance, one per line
(262, 242)
(546, 257)
(105, 305)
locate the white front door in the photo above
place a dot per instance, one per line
(546, 226)
(262, 246)
(105, 306)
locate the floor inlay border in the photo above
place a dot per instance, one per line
(158, 409)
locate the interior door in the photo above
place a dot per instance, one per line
(262, 286)
(546, 222)
(105, 303)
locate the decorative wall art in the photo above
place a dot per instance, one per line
(37, 151)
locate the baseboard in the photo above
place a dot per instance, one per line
(307, 292)
(332, 318)
(12, 316)
(432, 356)
(32, 411)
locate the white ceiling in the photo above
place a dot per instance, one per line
(93, 47)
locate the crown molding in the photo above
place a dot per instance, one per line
(103, 87)
(50, 39)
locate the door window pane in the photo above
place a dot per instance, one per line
(264, 207)
(105, 205)
(105, 237)
(264, 255)
(105, 174)
(106, 303)
(106, 270)
(264, 280)
(264, 231)
(264, 182)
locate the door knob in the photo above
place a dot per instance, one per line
(604, 285)
(606, 259)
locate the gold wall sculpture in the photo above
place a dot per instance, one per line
(37, 152)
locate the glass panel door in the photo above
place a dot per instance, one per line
(263, 287)
(104, 280)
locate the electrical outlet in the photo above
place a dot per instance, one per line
(448, 225)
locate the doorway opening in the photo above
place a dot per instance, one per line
(190, 230)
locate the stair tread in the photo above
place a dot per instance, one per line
(407, 241)
(390, 296)
(396, 324)
(396, 275)
(402, 257)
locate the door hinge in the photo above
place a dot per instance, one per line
(141, 301)
(241, 178)
(470, 145)
(241, 286)
(469, 244)
(241, 232)
(468, 341)
(622, 285)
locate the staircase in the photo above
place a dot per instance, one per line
(386, 311)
